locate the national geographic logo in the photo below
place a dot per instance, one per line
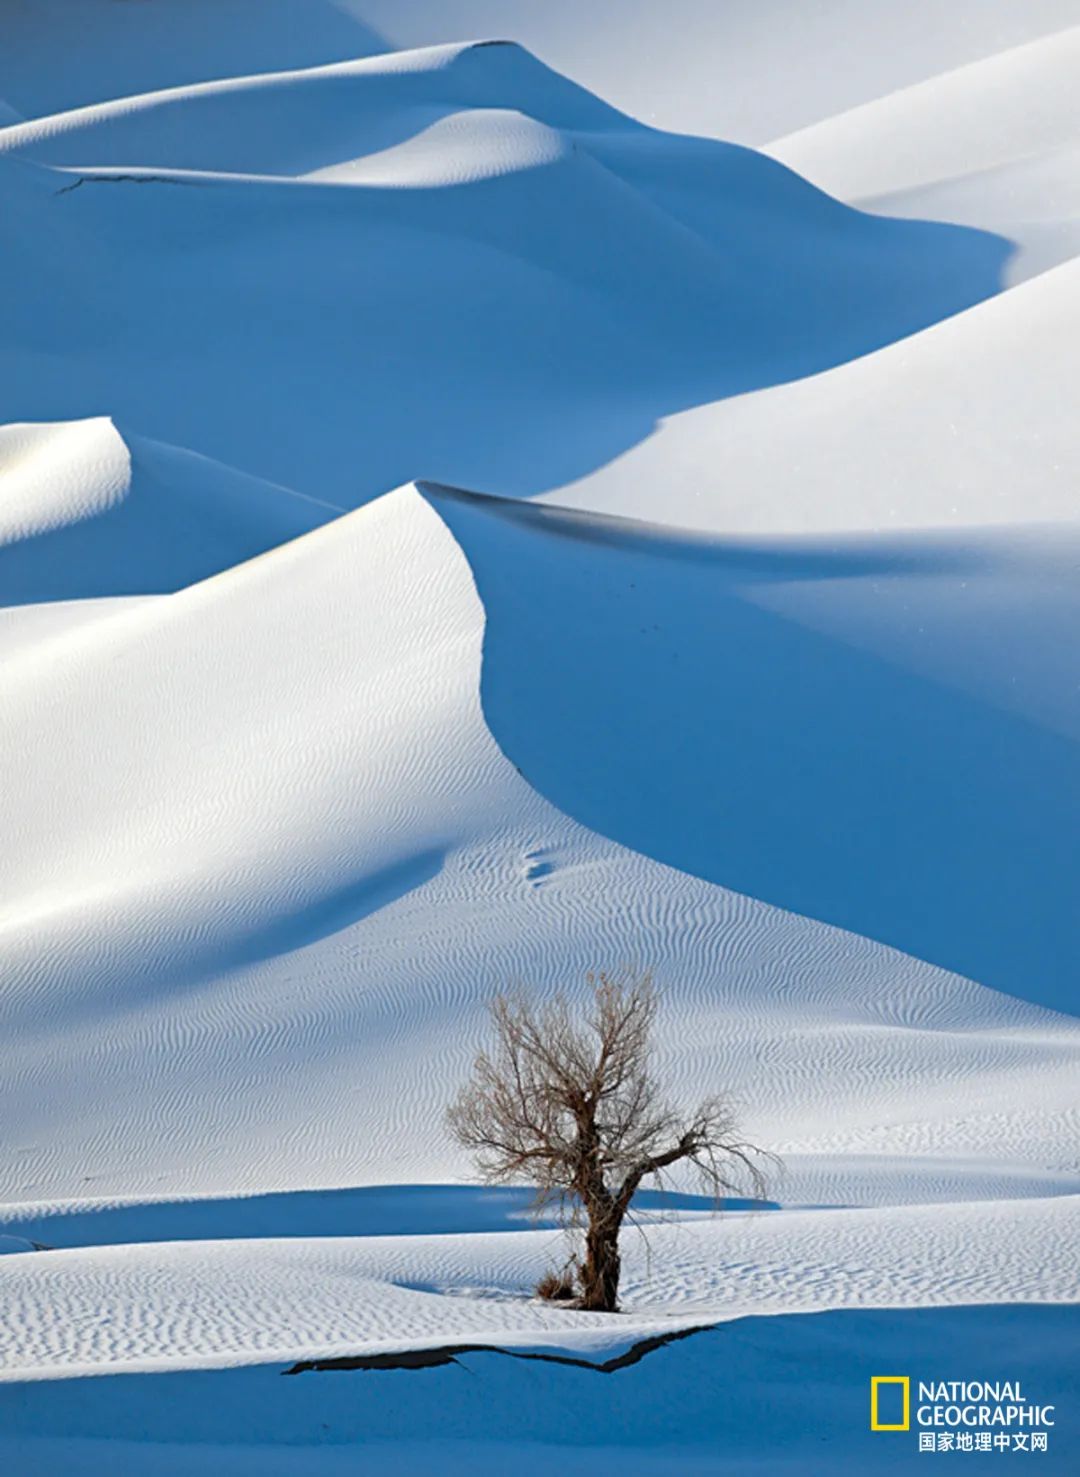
(876, 1423)
(961, 1415)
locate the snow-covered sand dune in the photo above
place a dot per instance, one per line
(204, 1304)
(993, 144)
(777, 697)
(966, 425)
(87, 513)
(234, 955)
(451, 262)
(748, 70)
(791, 716)
(998, 110)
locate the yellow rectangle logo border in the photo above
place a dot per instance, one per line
(877, 1380)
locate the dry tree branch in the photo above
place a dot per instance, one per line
(572, 1105)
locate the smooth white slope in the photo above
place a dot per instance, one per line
(85, 512)
(968, 424)
(280, 871)
(957, 446)
(1001, 110)
(1034, 202)
(993, 145)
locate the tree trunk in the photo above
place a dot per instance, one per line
(600, 1269)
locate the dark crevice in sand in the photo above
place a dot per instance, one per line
(118, 179)
(449, 1354)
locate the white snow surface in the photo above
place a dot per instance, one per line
(203, 1304)
(991, 144)
(454, 534)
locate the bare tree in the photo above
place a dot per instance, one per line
(571, 1105)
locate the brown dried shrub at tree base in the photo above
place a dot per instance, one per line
(556, 1287)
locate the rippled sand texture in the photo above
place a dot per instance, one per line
(476, 511)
